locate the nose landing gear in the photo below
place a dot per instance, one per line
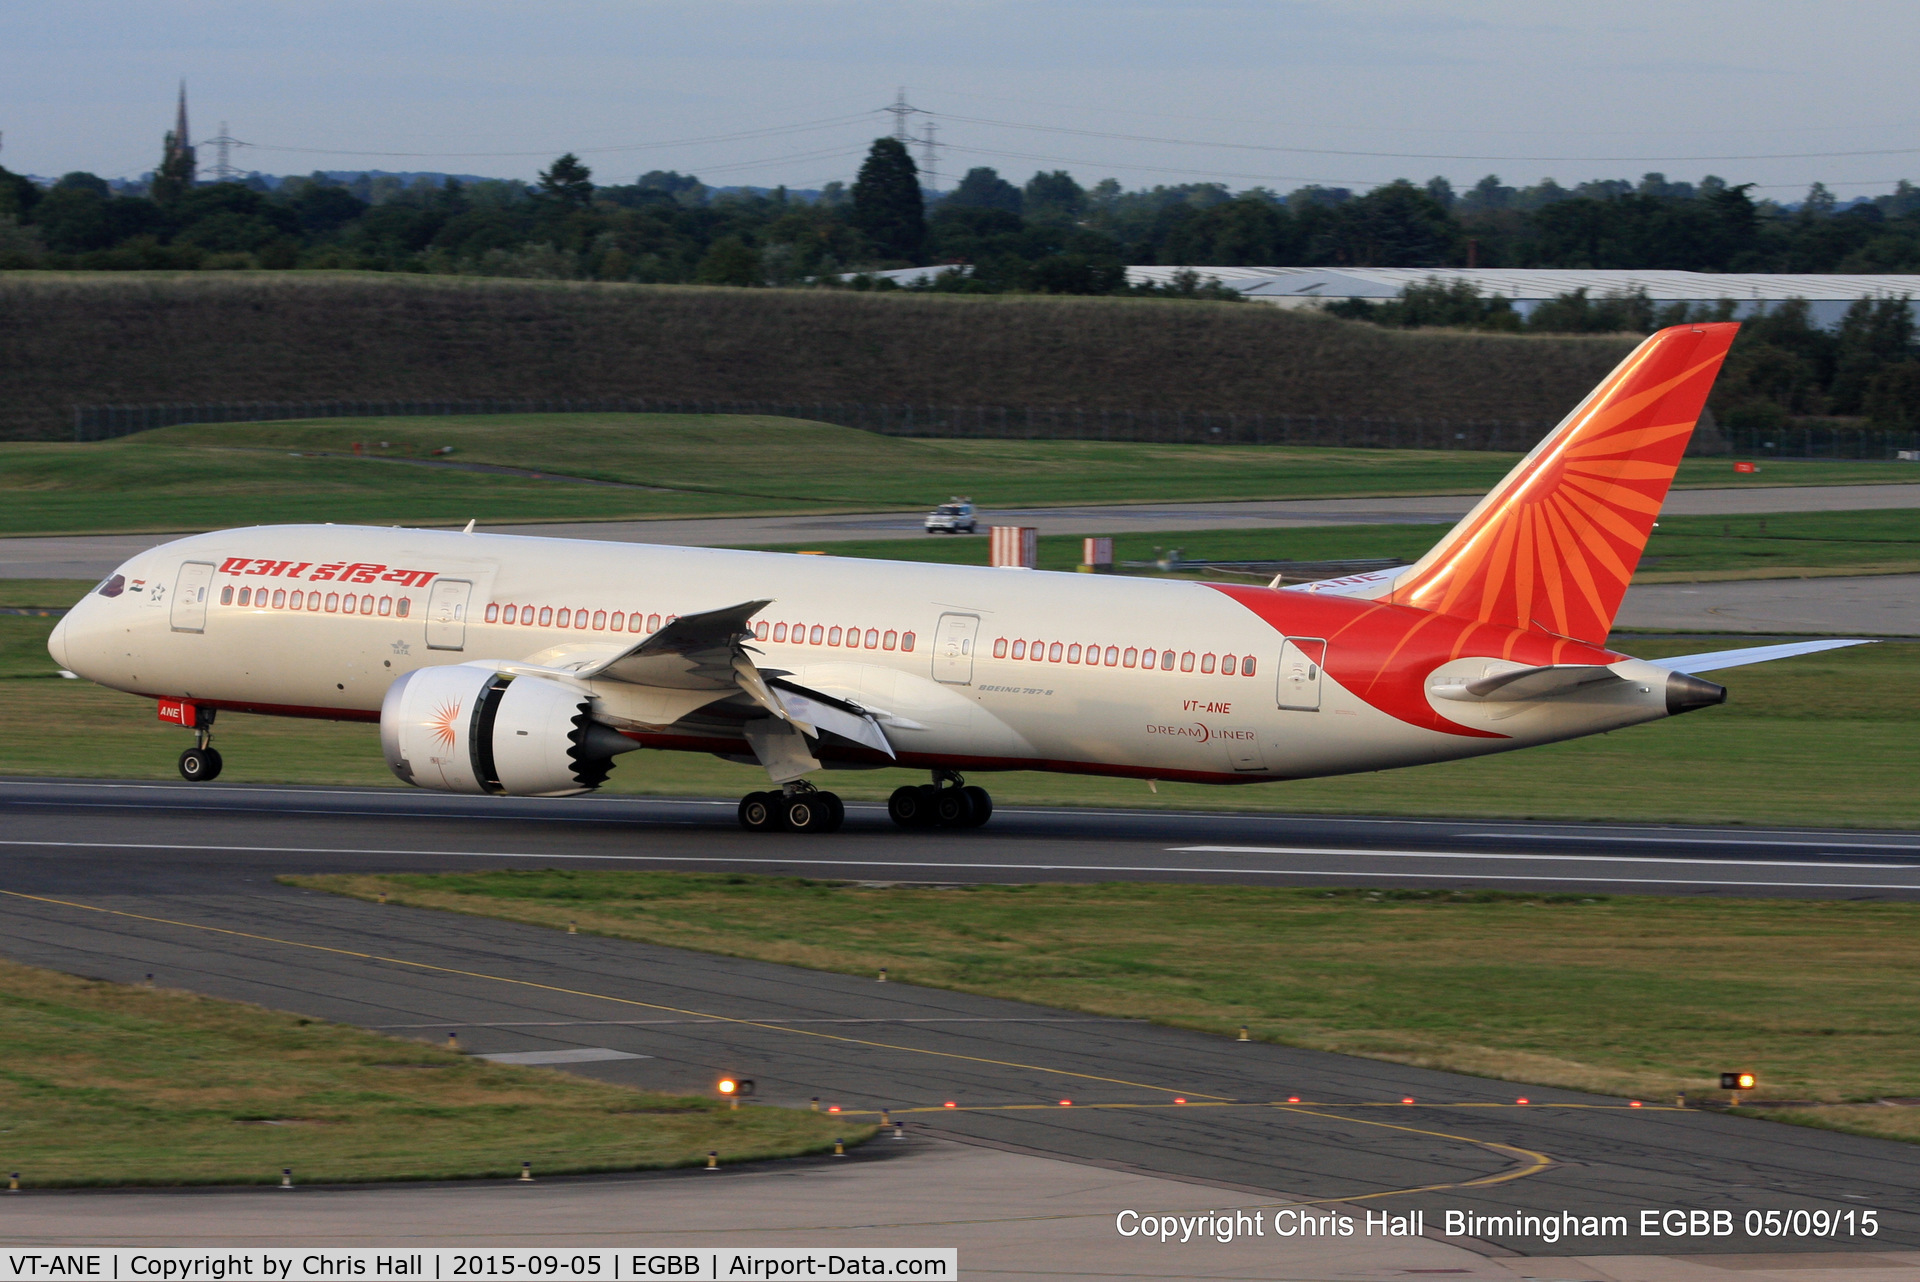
(947, 802)
(799, 807)
(201, 763)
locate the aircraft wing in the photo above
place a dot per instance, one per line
(708, 652)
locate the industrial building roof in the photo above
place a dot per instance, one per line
(1302, 284)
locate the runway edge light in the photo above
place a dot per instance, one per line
(1737, 1081)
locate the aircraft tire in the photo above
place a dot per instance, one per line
(200, 765)
(760, 811)
(909, 807)
(808, 812)
(953, 808)
(837, 811)
(982, 805)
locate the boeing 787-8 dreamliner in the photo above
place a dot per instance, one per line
(522, 666)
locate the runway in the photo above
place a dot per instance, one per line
(94, 556)
(124, 880)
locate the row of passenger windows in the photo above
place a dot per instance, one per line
(821, 634)
(598, 620)
(331, 603)
(1115, 657)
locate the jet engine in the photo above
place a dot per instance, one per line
(468, 728)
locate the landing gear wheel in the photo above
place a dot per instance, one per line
(982, 805)
(760, 811)
(200, 765)
(839, 809)
(953, 808)
(911, 807)
(811, 812)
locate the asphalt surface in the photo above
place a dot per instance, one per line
(1864, 605)
(130, 880)
(92, 556)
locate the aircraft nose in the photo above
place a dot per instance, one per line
(57, 643)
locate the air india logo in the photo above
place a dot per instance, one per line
(445, 723)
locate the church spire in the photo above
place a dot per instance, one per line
(178, 170)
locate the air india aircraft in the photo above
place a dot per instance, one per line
(523, 666)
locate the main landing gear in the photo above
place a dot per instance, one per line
(798, 807)
(201, 763)
(948, 802)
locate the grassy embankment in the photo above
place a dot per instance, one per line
(1825, 739)
(662, 465)
(130, 338)
(1626, 995)
(108, 1084)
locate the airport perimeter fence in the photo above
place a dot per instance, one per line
(1014, 422)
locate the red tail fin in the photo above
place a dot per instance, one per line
(1555, 544)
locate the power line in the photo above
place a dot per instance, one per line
(769, 132)
(1416, 155)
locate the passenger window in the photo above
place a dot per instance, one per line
(1131, 657)
(1166, 661)
(873, 638)
(386, 606)
(526, 616)
(1186, 661)
(366, 605)
(580, 618)
(779, 632)
(999, 647)
(280, 599)
(1246, 666)
(400, 608)
(635, 623)
(348, 604)
(653, 623)
(563, 620)
(1113, 656)
(1054, 652)
(1073, 653)
(333, 602)
(509, 614)
(1226, 665)
(546, 616)
(618, 622)
(294, 599)
(1206, 662)
(761, 629)
(833, 636)
(246, 596)
(493, 612)
(1019, 649)
(226, 595)
(888, 641)
(906, 640)
(818, 634)
(599, 620)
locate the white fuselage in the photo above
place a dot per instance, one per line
(930, 649)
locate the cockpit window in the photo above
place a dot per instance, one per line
(114, 586)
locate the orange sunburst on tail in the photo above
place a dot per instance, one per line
(1554, 545)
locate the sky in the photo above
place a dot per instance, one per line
(1275, 93)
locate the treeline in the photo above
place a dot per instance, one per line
(1049, 235)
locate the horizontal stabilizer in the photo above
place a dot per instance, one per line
(1715, 660)
(1529, 683)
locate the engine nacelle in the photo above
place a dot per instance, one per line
(468, 728)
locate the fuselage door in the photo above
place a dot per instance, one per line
(1301, 659)
(953, 648)
(190, 596)
(447, 614)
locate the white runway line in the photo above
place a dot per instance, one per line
(1652, 840)
(952, 866)
(1529, 858)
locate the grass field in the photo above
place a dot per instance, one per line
(1828, 739)
(106, 1084)
(1684, 548)
(1634, 996)
(211, 476)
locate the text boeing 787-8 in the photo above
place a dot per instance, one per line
(522, 666)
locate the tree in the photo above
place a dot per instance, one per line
(174, 178)
(887, 204)
(731, 261)
(18, 194)
(984, 188)
(568, 183)
(1055, 196)
(1397, 225)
